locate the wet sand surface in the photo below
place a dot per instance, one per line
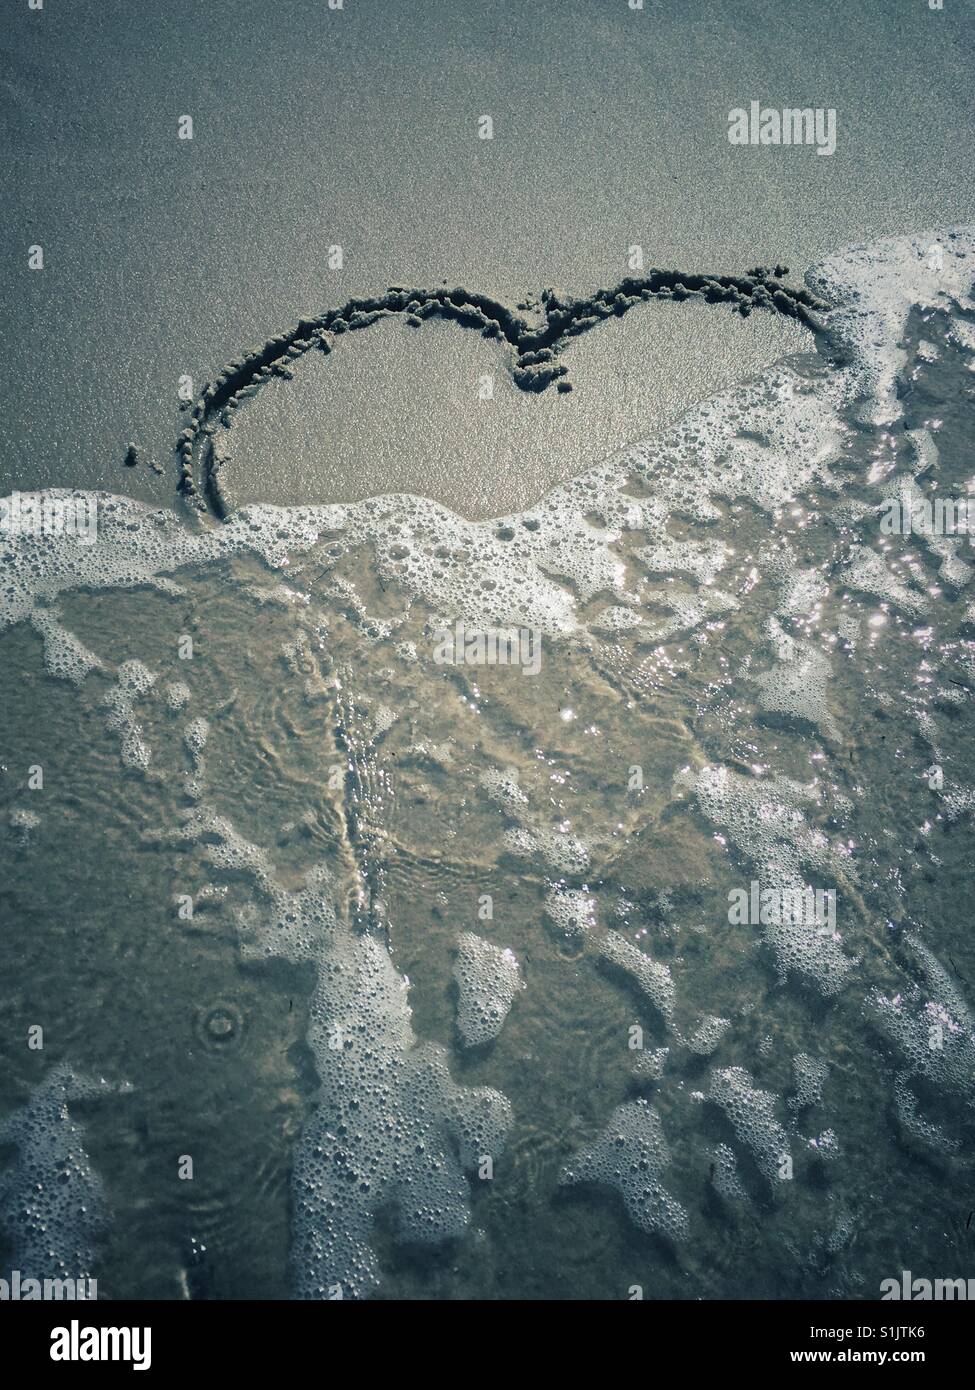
(358, 128)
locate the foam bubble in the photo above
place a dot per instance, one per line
(390, 1128)
(488, 978)
(797, 686)
(724, 1174)
(707, 1036)
(764, 819)
(653, 980)
(133, 680)
(632, 1155)
(65, 657)
(810, 1075)
(573, 910)
(52, 1203)
(752, 1116)
(934, 1030)
(177, 696)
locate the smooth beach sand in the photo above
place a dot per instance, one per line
(358, 128)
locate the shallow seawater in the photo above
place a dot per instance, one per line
(742, 679)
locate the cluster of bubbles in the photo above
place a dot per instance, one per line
(751, 1113)
(632, 1155)
(934, 1031)
(133, 681)
(177, 696)
(765, 820)
(560, 851)
(488, 978)
(52, 1202)
(571, 910)
(390, 1128)
(810, 1076)
(653, 980)
(724, 1174)
(707, 1036)
(797, 685)
(65, 657)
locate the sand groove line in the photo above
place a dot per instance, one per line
(536, 344)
